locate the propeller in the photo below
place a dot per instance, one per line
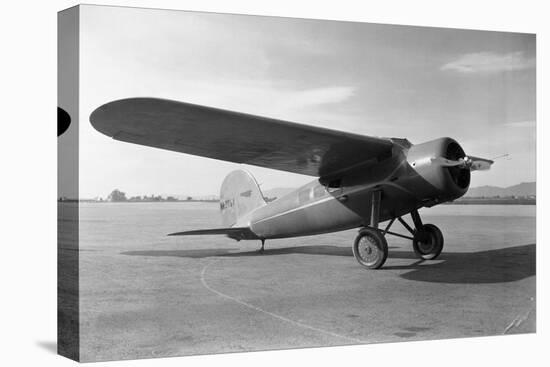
(471, 162)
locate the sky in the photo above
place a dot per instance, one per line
(418, 83)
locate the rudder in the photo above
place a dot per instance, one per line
(239, 195)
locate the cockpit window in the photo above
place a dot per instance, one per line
(319, 191)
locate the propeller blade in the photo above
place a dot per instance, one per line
(448, 162)
(471, 162)
(479, 164)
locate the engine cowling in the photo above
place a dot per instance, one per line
(438, 182)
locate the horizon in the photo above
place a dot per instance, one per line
(200, 197)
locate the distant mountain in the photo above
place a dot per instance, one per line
(522, 189)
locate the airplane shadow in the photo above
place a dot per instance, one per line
(491, 266)
(230, 252)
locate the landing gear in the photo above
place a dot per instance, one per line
(370, 248)
(428, 242)
(262, 248)
(427, 238)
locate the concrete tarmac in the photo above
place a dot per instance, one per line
(145, 295)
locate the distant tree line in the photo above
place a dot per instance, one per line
(119, 196)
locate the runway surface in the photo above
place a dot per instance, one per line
(144, 294)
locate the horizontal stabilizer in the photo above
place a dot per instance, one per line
(237, 233)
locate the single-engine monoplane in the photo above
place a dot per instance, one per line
(360, 181)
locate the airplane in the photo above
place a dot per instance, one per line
(360, 181)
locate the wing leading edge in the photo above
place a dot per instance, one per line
(236, 137)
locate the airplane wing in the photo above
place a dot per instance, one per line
(237, 233)
(237, 137)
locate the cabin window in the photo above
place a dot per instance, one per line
(304, 195)
(319, 191)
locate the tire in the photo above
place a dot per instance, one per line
(370, 248)
(428, 242)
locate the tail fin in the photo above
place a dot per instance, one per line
(239, 195)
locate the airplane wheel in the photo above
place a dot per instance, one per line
(370, 248)
(428, 242)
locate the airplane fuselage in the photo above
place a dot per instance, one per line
(407, 181)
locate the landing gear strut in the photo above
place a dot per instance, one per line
(370, 247)
(262, 248)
